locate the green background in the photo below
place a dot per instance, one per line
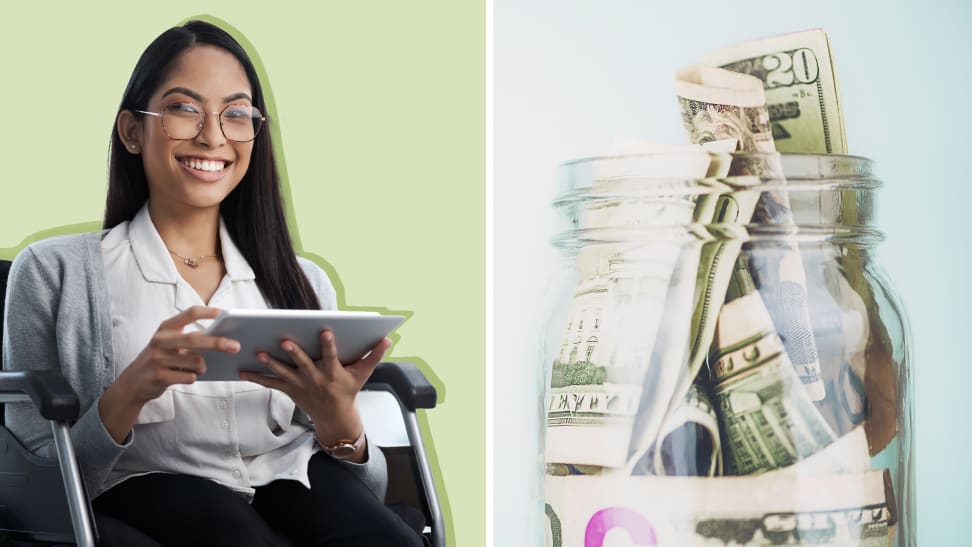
(380, 110)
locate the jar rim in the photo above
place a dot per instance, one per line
(655, 196)
(685, 173)
(694, 152)
(697, 233)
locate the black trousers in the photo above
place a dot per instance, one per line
(179, 510)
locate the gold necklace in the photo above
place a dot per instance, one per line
(191, 261)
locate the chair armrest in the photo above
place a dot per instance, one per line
(407, 382)
(48, 390)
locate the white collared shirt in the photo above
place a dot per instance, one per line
(238, 434)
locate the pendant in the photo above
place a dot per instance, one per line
(191, 262)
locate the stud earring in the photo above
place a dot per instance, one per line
(132, 146)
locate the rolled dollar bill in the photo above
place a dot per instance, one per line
(799, 77)
(768, 418)
(849, 510)
(800, 83)
(719, 104)
(688, 443)
(607, 348)
(783, 288)
(668, 380)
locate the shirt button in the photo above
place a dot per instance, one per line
(223, 403)
(237, 474)
(224, 424)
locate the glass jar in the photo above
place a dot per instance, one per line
(727, 363)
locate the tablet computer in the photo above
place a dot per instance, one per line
(355, 333)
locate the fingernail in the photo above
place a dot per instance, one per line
(262, 357)
(329, 336)
(232, 345)
(287, 346)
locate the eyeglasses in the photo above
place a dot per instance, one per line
(184, 121)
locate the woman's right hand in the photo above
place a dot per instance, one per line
(171, 357)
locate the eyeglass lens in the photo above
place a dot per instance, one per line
(239, 123)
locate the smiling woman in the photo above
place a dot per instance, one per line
(180, 142)
(194, 222)
(190, 164)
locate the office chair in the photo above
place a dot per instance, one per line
(44, 502)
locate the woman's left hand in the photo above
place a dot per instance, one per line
(324, 389)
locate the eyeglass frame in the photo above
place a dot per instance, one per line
(219, 116)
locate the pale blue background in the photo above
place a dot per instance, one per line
(571, 75)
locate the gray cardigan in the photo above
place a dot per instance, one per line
(57, 317)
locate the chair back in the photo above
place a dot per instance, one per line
(32, 501)
(33, 506)
(4, 271)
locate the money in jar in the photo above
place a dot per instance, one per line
(726, 363)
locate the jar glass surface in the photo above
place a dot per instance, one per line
(726, 362)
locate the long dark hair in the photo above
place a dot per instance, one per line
(253, 211)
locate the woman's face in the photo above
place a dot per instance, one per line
(197, 173)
